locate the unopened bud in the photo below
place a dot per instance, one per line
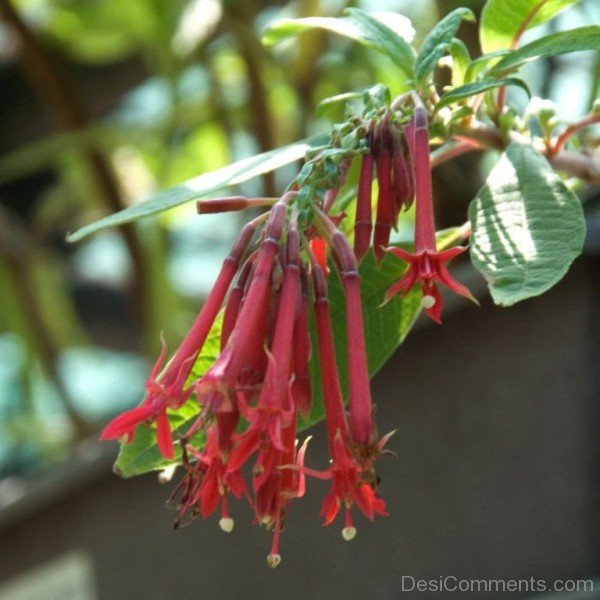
(226, 524)
(428, 301)
(349, 533)
(273, 560)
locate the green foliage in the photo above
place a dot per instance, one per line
(204, 185)
(478, 87)
(349, 26)
(502, 21)
(481, 64)
(527, 226)
(387, 40)
(436, 43)
(461, 59)
(574, 40)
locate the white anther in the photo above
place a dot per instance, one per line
(428, 301)
(273, 560)
(226, 524)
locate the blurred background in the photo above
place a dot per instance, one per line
(105, 102)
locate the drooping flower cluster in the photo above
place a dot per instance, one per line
(390, 159)
(249, 400)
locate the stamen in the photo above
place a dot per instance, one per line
(226, 524)
(428, 301)
(167, 474)
(273, 560)
(349, 531)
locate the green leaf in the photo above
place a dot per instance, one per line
(327, 103)
(385, 39)
(527, 226)
(461, 59)
(385, 328)
(436, 43)
(574, 40)
(480, 64)
(204, 185)
(478, 87)
(344, 26)
(503, 21)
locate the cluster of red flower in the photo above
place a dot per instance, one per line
(251, 396)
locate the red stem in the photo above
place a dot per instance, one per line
(514, 43)
(564, 137)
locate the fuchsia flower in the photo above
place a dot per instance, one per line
(351, 468)
(426, 265)
(207, 483)
(167, 389)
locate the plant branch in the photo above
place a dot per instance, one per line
(577, 164)
(564, 137)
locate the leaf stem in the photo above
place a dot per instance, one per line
(564, 137)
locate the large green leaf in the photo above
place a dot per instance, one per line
(478, 87)
(204, 185)
(345, 26)
(385, 328)
(386, 39)
(574, 40)
(502, 21)
(527, 225)
(436, 43)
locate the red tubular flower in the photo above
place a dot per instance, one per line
(166, 390)
(274, 411)
(207, 484)
(426, 264)
(361, 406)
(363, 222)
(349, 487)
(385, 202)
(301, 383)
(283, 484)
(234, 302)
(402, 188)
(252, 315)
